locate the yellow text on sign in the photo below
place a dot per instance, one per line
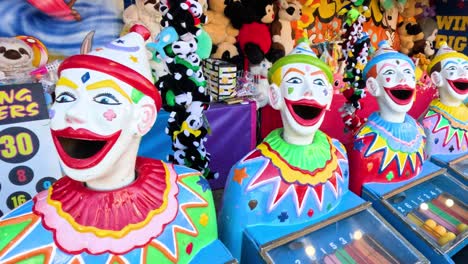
(20, 144)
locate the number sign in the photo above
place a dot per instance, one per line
(28, 160)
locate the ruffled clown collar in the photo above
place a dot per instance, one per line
(457, 116)
(307, 164)
(406, 137)
(134, 214)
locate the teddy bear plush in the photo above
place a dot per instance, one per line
(409, 31)
(218, 26)
(227, 52)
(283, 35)
(143, 12)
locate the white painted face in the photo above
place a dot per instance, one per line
(396, 83)
(454, 79)
(305, 95)
(94, 121)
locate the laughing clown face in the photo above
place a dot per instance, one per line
(105, 102)
(449, 72)
(301, 90)
(391, 79)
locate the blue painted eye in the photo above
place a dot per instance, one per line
(407, 71)
(389, 72)
(294, 80)
(106, 99)
(65, 97)
(319, 82)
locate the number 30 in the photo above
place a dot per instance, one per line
(21, 144)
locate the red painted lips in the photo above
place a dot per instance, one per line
(305, 112)
(400, 94)
(81, 148)
(460, 86)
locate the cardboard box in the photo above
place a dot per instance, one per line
(221, 78)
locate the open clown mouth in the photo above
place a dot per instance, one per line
(305, 112)
(81, 148)
(400, 94)
(460, 86)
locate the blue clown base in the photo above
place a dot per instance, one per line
(274, 212)
(456, 165)
(27, 236)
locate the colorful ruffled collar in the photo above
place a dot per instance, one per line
(309, 164)
(457, 116)
(115, 213)
(406, 137)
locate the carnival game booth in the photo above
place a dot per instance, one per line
(456, 164)
(387, 157)
(287, 201)
(351, 232)
(429, 210)
(110, 205)
(446, 119)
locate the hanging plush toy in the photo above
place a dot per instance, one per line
(183, 89)
(356, 47)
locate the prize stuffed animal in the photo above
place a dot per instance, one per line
(252, 19)
(183, 88)
(143, 12)
(260, 72)
(221, 31)
(283, 36)
(16, 58)
(426, 45)
(409, 31)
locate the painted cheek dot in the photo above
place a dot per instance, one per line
(109, 115)
(387, 79)
(290, 90)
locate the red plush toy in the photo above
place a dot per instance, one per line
(252, 18)
(255, 41)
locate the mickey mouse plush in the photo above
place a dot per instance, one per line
(252, 18)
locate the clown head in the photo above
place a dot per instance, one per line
(301, 89)
(105, 102)
(391, 79)
(449, 72)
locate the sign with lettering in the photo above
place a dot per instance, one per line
(452, 21)
(28, 160)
